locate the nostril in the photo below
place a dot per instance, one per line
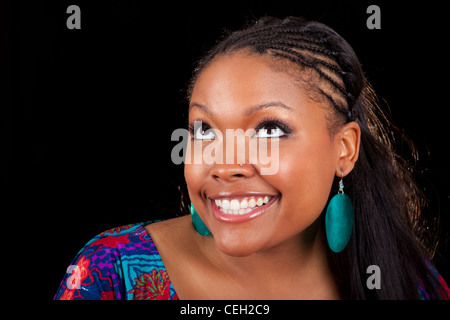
(230, 172)
(238, 175)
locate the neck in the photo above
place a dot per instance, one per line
(299, 262)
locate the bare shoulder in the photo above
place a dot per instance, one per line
(168, 226)
(173, 229)
(173, 236)
(181, 251)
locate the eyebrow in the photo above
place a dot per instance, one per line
(273, 104)
(201, 107)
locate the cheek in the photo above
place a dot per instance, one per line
(304, 179)
(193, 174)
(194, 170)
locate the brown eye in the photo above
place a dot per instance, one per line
(272, 129)
(202, 131)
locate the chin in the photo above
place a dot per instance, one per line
(238, 252)
(237, 245)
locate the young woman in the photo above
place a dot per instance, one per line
(333, 221)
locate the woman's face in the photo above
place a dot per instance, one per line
(243, 91)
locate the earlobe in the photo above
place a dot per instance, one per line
(349, 140)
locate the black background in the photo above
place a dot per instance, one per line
(92, 110)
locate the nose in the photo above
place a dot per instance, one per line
(231, 172)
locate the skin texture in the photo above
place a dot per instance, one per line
(281, 254)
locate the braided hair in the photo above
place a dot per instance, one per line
(304, 44)
(387, 230)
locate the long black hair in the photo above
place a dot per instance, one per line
(386, 199)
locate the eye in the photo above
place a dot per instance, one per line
(272, 129)
(202, 131)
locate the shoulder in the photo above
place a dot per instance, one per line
(119, 236)
(113, 264)
(172, 227)
(186, 255)
(175, 238)
(126, 240)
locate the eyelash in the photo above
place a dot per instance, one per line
(277, 123)
(264, 123)
(191, 128)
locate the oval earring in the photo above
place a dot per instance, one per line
(198, 223)
(339, 220)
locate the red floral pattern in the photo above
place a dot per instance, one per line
(152, 286)
(77, 277)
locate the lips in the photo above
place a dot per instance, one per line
(241, 209)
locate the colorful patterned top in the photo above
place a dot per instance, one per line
(124, 264)
(118, 264)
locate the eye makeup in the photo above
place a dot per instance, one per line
(268, 127)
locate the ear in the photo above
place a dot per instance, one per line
(349, 138)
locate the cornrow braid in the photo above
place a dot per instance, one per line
(306, 44)
(309, 63)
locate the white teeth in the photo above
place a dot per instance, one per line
(244, 206)
(234, 205)
(225, 204)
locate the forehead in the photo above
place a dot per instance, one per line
(245, 77)
(233, 85)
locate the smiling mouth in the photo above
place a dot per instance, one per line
(242, 208)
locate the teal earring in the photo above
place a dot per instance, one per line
(339, 220)
(198, 223)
